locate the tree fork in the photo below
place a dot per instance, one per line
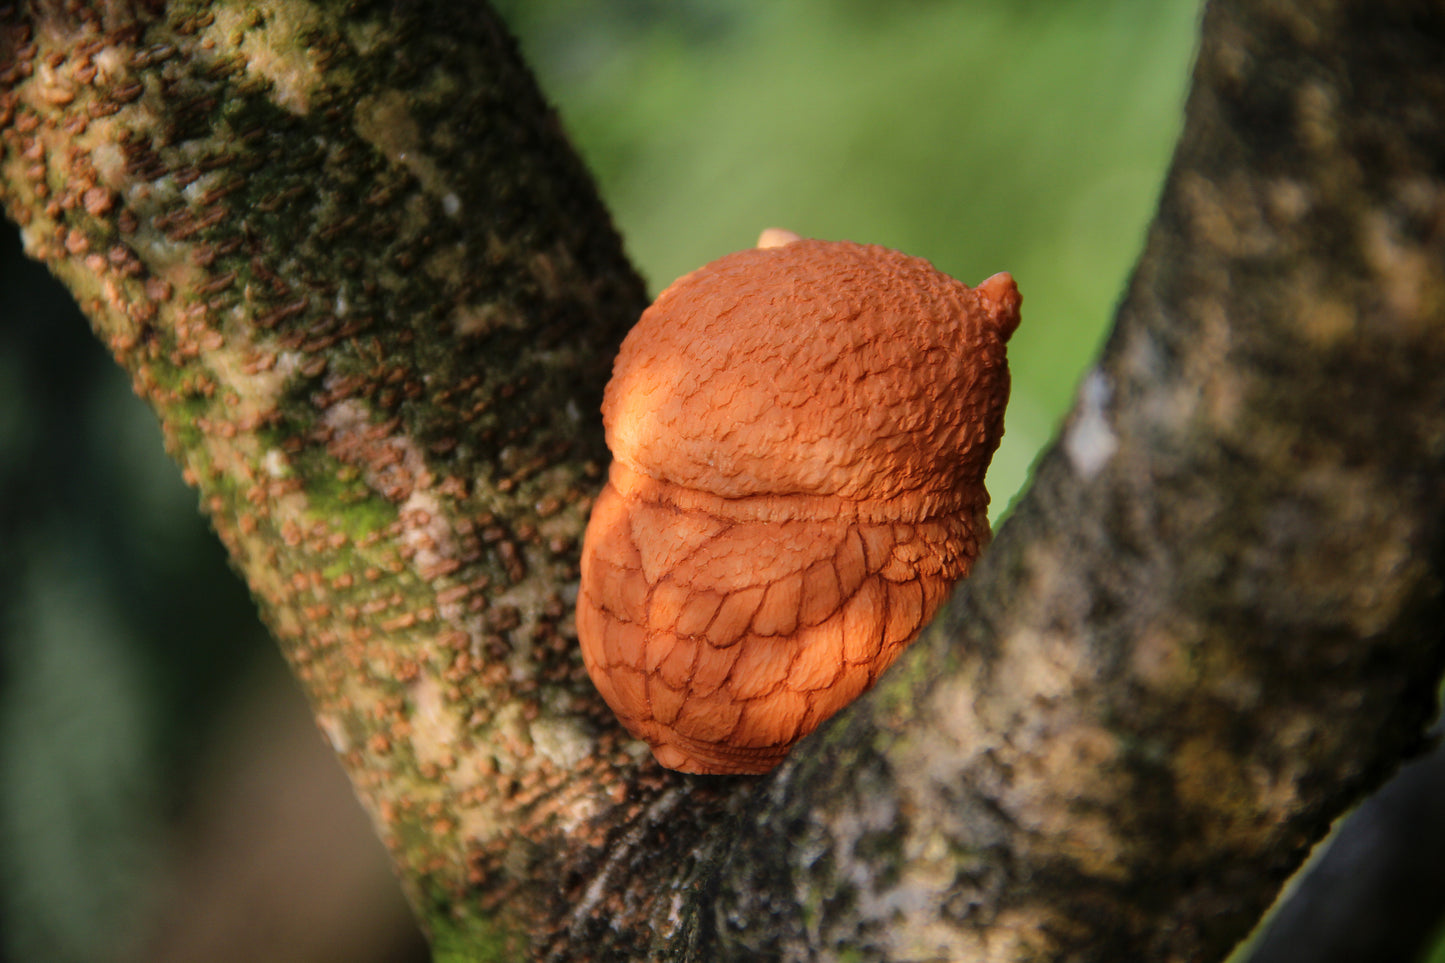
(347, 256)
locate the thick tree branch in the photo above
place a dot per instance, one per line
(1217, 616)
(347, 256)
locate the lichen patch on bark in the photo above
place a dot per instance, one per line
(271, 36)
(385, 120)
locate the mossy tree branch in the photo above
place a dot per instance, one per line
(347, 256)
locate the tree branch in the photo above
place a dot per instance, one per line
(1216, 618)
(347, 256)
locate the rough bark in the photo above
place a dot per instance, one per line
(347, 256)
(1217, 617)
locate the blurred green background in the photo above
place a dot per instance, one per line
(162, 793)
(986, 135)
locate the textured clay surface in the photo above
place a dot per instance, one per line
(800, 436)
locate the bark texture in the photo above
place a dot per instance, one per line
(1217, 616)
(346, 254)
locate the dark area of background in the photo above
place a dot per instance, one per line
(164, 795)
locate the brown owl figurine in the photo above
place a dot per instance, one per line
(799, 435)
